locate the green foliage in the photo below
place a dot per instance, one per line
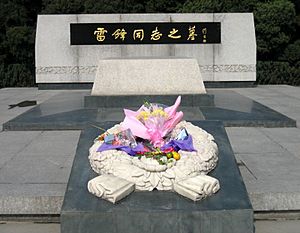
(16, 75)
(278, 56)
(165, 6)
(210, 6)
(274, 24)
(17, 32)
(113, 6)
(291, 53)
(62, 6)
(274, 72)
(296, 74)
(202, 6)
(103, 6)
(131, 6)
(20, 40)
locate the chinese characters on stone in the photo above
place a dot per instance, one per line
(192, 33)
(100, 34)
(172, 34)
(138, 34)
(120, 33)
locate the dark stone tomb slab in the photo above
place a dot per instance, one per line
(228, 211)
(67, 111)
(135, 100)
(236, 110)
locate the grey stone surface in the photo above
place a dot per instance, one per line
(261, 226)
(31, 199)
(286, 226)
(279, 193)
(280, 97)
(125, 101)
(260, 143)
(12, 143)
(203, 52)
(53, 143)
(66, 111)
(236, 110)
(53, 37)
(287, 135)
(28, 227)
(270, 165)
(89, 85)
(34, 170)
(65, 86)
(26, 168)
(293, 148)
(77, 64)
(16, 95)
(140, 76)
(238, 48)
(229, 210)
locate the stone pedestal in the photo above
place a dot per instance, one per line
(148, 76)
(130, 82)
(228, 211)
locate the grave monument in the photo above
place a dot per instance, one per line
(225, 56)
(132, 59)
(71, 49)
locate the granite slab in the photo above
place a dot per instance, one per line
(228, 211)
(191, 100)
(236, 110)
(66, 111)
(89, 85)
(142, 75)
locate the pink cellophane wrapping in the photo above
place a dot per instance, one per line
(154, 128)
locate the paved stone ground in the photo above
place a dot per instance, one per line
(269, 158)
(16, 95)
(287, 226)
(35, 165)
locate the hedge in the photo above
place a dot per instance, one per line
(276, 72)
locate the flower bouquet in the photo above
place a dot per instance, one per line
(153, 148)
(147, 132)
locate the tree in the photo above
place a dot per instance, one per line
(17, 27)
(274, 24)
(113, 6)
(202, 6)
(163, 6)
(291, 53)
(62, 7)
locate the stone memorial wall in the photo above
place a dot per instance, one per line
(58, 61)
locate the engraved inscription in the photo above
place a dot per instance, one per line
(92, 69)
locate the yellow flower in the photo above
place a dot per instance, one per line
(159, 112)
(143, 115)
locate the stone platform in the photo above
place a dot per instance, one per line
(228, 211)
(38, 188)
(66, 111)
